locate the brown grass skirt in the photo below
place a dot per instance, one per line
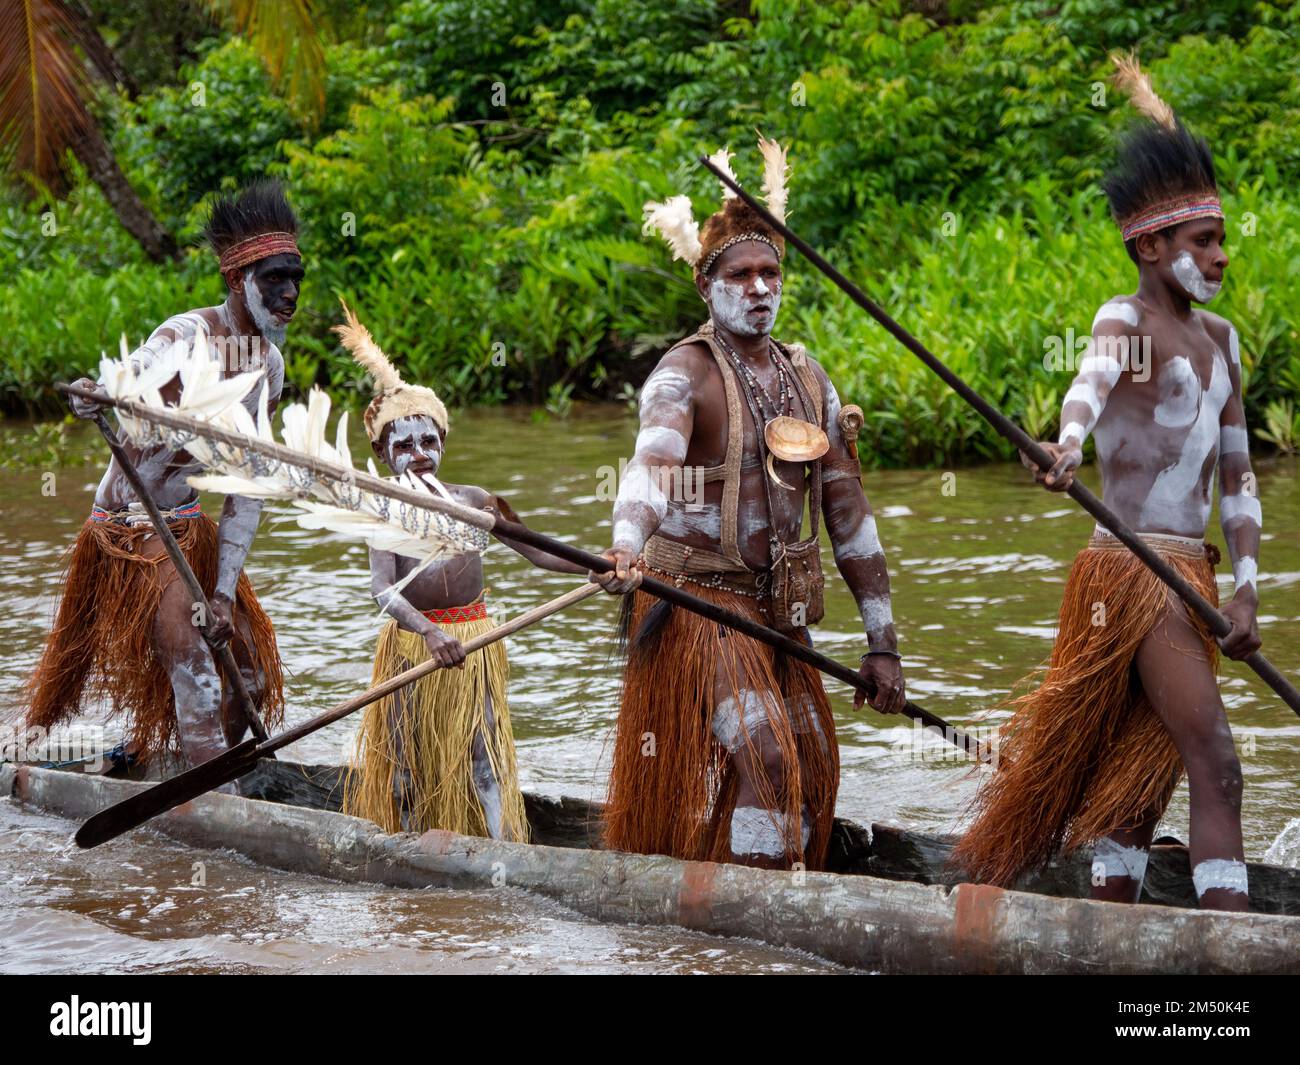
(101, 645)
(679, 800)
(1085, 754)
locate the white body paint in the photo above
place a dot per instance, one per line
(1245, 571)
(661, 440)
(1116, 311)
(876, 614)
(864, 543)
(1118, 860)
(1180, 394)
(1240, 507)
(1174, 502)
(755, 831)
(682, 521)
(1233, 440)
(1193, 281)
(1223, 874)
(665, 392)
(736, 718)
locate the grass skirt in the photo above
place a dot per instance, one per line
(437, 719)
(679, 801)
(1085, 754)
(101, 645)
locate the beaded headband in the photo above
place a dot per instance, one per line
(737, 239)
(261, 246)
(1171, 212)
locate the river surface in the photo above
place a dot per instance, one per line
(978, 559)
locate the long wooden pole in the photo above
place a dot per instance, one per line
(221, 652)
(515, 531)
(1010, 431)
(242, 758)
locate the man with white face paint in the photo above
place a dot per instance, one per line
(724, 750)
(126, 626)
(438, 753)
(1130, 700)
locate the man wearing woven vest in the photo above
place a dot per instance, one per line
(126, 629)
(726, 751)
(1130, 700)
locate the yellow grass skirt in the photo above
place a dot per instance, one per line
(437, 719)
(1085, 754)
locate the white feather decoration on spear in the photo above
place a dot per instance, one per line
(321, 503)
(775, 172)
(675, 221)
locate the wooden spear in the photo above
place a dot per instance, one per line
(1008, 430)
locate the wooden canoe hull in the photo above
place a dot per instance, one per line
(866, 922)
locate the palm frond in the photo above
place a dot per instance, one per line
(285, 35)
(44, 85)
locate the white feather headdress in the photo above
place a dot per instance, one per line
(675, 221)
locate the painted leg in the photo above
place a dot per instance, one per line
(196, 684)
(1181, 686)
(403, 781)
(742, 724)
(485, 781)
(1119, 862)
(233, 722)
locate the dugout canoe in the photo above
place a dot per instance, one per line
(888, 905)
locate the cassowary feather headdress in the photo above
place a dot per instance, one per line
(1164, 175)
(735, 222)
(395, 398)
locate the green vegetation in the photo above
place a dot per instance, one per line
(473, 189)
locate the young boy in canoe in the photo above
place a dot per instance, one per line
(1130, 698)
(438, 753)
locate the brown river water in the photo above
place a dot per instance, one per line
(977, 562)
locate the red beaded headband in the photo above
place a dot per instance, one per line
(1171, 212)
(262, 246)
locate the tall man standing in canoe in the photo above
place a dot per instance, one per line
(126, 628)
(1130, 697)
(725, 750)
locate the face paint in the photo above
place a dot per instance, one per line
(414, 443)
(268, 324)
(731, 307)
(1223, 874)
(1189, 275)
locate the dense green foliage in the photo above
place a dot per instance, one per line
(475, 190)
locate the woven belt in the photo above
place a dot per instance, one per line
(135, 514)
(1184, 546)
(453, 615)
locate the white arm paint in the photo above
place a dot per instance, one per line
(661, 446)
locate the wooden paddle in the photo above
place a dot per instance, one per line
(222, 653)
(513, 530)
(1008, 430)
(234, 763)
